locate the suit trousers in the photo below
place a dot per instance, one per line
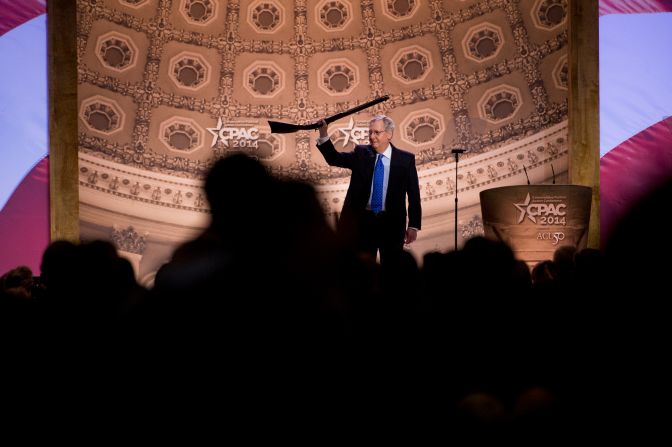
(381, 233)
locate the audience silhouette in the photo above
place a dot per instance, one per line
(472, 344)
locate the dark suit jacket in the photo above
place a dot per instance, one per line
(403, 181)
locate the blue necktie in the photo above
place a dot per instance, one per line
(377, 194)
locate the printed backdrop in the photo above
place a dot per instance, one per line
(166, 87)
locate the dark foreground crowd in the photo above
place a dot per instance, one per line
(267, 320)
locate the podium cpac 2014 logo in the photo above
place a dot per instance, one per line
(547, 213)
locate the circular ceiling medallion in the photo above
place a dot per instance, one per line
(181, 134)
(561, 73)
(333, 15)
(116, 51)
(499, 103)
(199, 12)
(269, 146)
(549, 14)
(483, 42)
(264, 79)
(399, 9)
(101, 114)
(422, 127)
(338, 76)
(189, 70)
(411, 64)
(266, 16)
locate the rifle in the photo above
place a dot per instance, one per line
(278, 127)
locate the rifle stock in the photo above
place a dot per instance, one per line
(279, 127)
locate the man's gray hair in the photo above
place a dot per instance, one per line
(387, 122)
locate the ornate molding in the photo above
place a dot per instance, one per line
(132, 185)
(129, 240)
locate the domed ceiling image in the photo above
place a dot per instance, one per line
(165, 88)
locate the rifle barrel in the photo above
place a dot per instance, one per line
(279, 127)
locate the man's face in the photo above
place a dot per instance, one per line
(378, 137)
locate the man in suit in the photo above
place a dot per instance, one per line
(374, 216)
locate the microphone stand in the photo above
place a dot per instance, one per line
(456, 153)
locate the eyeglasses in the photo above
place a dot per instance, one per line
(376, 132)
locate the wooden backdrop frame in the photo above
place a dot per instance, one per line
(584, 106)
(63, 147)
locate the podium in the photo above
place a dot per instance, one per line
(534, 220)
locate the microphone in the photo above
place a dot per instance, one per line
(528, 178)
(553, 171)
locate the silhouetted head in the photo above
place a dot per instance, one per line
(237, 187)
(563, 257)
(544, 273)
(58, 262)
(17, 282)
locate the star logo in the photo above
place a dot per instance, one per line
(352, 133)
(522, 207)
(215, 134)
